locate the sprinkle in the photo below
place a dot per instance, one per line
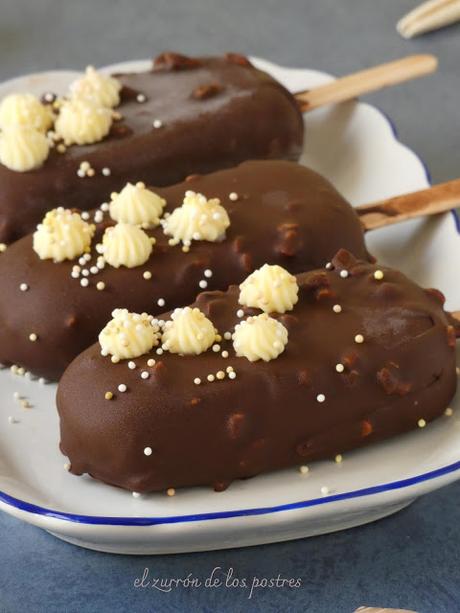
(145, 374)
(42, 381)
(304, 470)
(150, 362)
(227, 336)
(114, 359)
(208, 273)
(421, 423)
(337, 308)
(108, 395)
(33, 337)
(161, 302)
(224, 354)
(160, 351)
(240, 313)
(210, 378)
(94, 270)
(25, 404)
(67, 466)
(324, 490)
(449, 412)
(229, 368)
(84, 282)
(147, 275)
(98, 216)
(171, 491)
(216, 348)
(344, 274)
(105, 207)
(233, 196)
(359, 338)
(320, 397)
(197, 381)
(85, 215)
(12, 420)
(328, 266)
(85, 166)
(81, 173)
(106, 171)
(339, 367)
(131, 365)
(100, 285)
(148, 451)
(122, 387)
(220, 375)
(16, 396)
(23, 287)
(232, 375)
(338, 458)
(141, 98)
(136, 495)
(157, 123)
(203, 284)
(378, 275)
(61, 148)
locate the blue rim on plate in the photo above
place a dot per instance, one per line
(178, 519)
(27, 507)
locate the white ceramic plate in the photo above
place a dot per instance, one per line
(356, 147)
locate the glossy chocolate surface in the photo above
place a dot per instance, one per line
(285, 214)
(268, 417)
(215, 113)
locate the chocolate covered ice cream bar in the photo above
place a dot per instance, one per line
(60, 285)
(275, 373)
(185, 115)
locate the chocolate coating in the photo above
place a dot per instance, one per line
(269, 416)
(285, 214)
(216, 112)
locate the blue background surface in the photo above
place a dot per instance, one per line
(409, 560)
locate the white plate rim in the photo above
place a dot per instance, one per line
(98, 520)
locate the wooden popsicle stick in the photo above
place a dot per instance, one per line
(456, 317)
(365, 81)
(429, 16)
(431, 201)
